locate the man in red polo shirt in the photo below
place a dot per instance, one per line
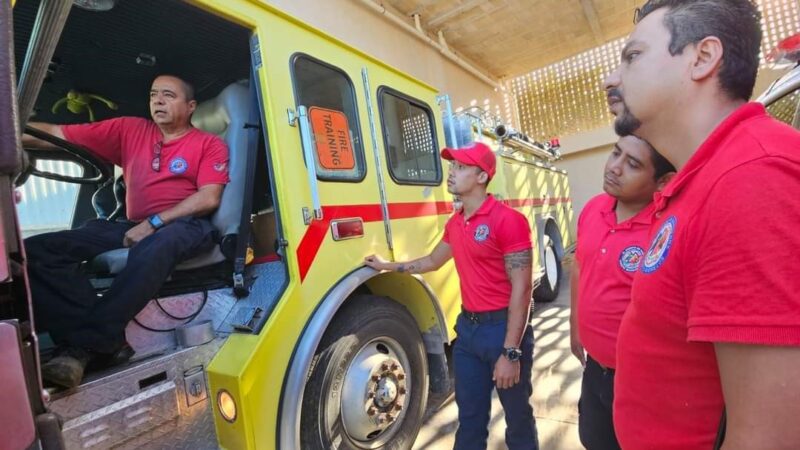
(491, 245)
(612, 234)
(174, 175)
(714, 319)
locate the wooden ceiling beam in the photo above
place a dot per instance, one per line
(443, 17)
(590, 13)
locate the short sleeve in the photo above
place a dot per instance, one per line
(743, 285)
(103, 138)
(515, 234)
(578, 227)
(214, 163)
(591, 208)
(446, 235)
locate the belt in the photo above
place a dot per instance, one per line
(486, 316)
(604, 368)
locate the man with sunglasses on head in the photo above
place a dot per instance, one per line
(175, 175)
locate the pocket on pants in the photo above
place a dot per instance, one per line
(457, 325)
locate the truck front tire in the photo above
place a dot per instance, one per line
(368, 385)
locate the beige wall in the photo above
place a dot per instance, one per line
(585, 174)
(585, 153)
(361, 27)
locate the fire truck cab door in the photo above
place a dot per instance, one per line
(339, 206)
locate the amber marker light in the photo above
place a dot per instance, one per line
(226, 405)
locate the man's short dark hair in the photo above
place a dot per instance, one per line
(735, 22)
(661, 165)
(188, 88)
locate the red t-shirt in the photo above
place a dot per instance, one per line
(479, 245)
(608, 253)
(722, 267)
(193, 160)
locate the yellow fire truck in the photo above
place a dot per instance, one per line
(280, 337)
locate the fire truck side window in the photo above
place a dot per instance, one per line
(328, 94)
(785, 109)
(410, 138)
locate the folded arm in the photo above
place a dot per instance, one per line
(202, 203)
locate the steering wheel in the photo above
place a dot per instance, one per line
(100, 174)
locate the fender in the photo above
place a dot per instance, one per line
(300, 364)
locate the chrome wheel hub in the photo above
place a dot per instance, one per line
(375, 393)
(385, 392)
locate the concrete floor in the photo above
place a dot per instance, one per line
(556, 389)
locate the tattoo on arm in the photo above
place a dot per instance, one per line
(408, 267)
(518, 260)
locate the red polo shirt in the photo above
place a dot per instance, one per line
(608, 253)
(478, 245)
(722, 266)
(193, 160)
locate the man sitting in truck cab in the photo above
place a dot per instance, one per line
(175, 175)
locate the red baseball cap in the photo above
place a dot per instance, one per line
(475, 154)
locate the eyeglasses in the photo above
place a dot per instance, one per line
(156, 164)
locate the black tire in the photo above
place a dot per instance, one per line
(377, 329)
(550, 284)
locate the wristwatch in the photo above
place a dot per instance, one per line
(155, 221)
(512, 354)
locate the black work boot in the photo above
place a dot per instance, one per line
(66, 368)
(100, 361)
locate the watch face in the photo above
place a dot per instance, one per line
(513, 354)
(155, 221)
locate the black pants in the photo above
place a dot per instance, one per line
(596, 424)
(65, 303)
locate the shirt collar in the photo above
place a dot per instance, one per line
(609, 212)
(710, 147)
(485, 207)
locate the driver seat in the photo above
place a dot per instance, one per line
(226, 116)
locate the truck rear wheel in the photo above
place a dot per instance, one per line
(368, 385)
(550, 284)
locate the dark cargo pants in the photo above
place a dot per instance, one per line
(65, 303)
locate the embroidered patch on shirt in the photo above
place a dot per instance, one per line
(482, 233)
(659, 249)
(630, 258)
(220, 166)
(178, 166)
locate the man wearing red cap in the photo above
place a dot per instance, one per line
(491, 245)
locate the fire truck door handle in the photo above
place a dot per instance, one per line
(311, 162)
